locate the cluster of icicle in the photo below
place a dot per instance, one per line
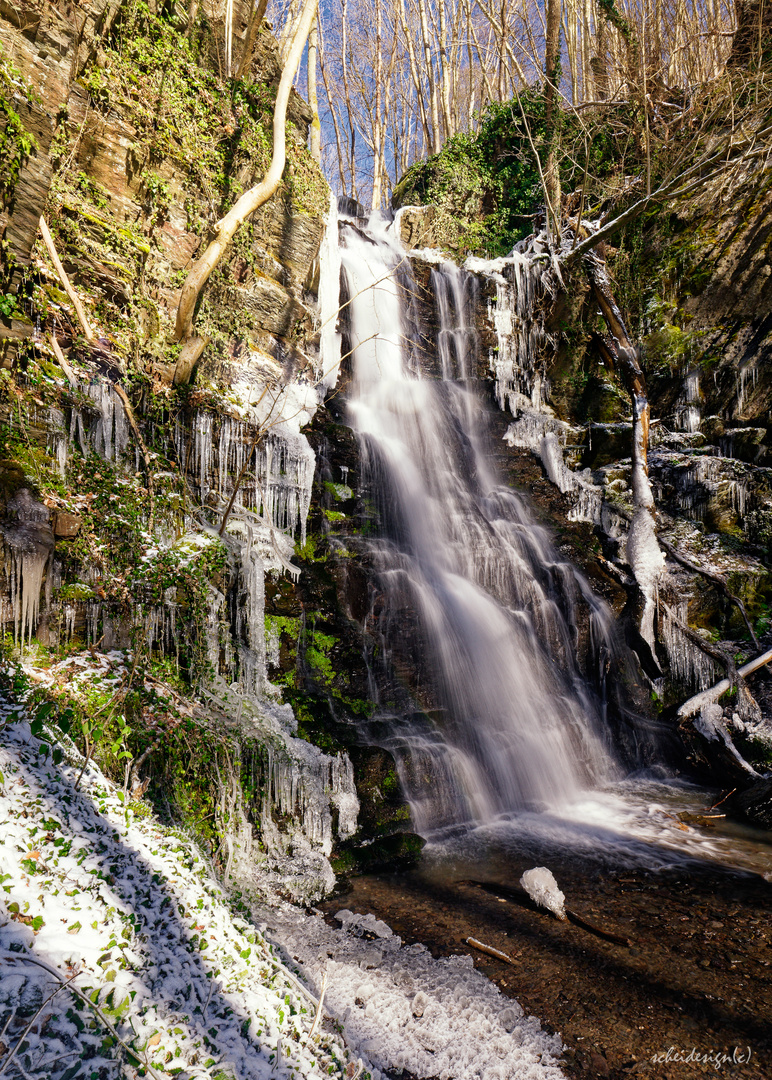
(525, 283)
(689, 665)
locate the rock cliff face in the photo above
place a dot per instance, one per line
(138, 519)
(215, 534)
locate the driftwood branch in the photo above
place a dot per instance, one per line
(710, 696)
(49, 242)
(145, 454)
(489, 950)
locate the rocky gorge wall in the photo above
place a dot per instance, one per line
(149, 529)
(236, 675)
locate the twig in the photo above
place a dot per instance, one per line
(48, 241)
(482, 947)
(319, 1009)
(28, 1028)
(722, 800)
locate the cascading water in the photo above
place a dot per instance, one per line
(511, 756)
(518, 726)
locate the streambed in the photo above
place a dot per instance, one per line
(695, 981)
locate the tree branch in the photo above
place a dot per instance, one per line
(254, 198)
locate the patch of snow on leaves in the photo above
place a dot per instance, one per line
(132, 911)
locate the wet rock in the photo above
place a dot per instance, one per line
(755, 803)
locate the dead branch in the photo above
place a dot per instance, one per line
(64, 363)
(710, 696)
(48, 241)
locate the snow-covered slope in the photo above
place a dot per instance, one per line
(169, 976)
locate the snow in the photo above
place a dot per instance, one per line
(99, 892)
(133, 912)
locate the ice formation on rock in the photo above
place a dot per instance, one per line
(110, 433)
(588, 495)
(689, 411)
(30, 541)
(540, 884)
(524, 281)
(329, 301)
(689, 665)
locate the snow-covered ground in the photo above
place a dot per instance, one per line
(168, 975)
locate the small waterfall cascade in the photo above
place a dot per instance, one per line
(491, 602)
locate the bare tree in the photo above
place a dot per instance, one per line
(227, 227)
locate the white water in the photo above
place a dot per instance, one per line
(518, 728)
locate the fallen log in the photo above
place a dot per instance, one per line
(710, 696)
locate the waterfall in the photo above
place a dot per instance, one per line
(463, 567)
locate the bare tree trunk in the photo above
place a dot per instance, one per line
(255, 22)
(255, 196)
(228, 37)
(377, 118)
(333, 113)
(415, 74)
(315, 144)
(551, 76)
(436, 141)
(347, 94)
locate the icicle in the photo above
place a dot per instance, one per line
(689, 665)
